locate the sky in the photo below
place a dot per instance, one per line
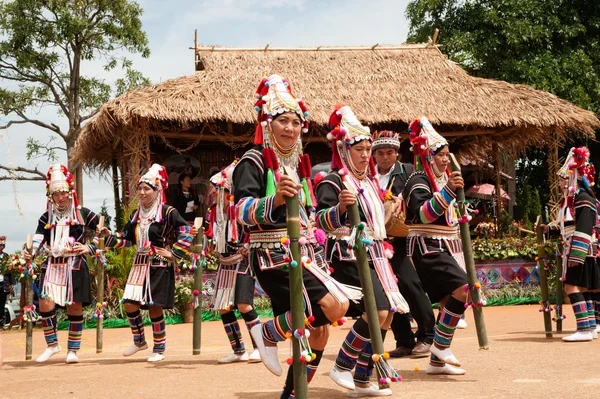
(170, 28)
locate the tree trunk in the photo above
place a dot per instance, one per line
(77, 172)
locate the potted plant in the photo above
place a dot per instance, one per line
(184, 297)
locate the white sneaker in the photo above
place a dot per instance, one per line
(133, 349)
(445, 355)
(446, 369)
(372, 390)
(598, 328)
(254, 357)
(462, 324)
(156, 357)
(234, 358)
(579, 336)
(48, 353)
(268, 354)
(594, 333)
(72, 357)
(343, 378)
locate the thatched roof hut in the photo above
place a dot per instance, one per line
(387, 86)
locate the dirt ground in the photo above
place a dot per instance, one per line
(521, 363)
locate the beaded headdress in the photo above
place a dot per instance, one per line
(425, 143)
(386, 139)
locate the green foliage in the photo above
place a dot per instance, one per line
(551, 45)
(43, 45)
(104, 212)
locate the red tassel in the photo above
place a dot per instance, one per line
(334, 118)
(258, 136)
(371, 167)
(319, 178)
(267, 158)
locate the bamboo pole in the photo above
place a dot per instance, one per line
(29, 302)
(465, 235)
(543, 276)
(560, 298)
(197, 248)
(367, 288)
(296, 293)
(100, 291)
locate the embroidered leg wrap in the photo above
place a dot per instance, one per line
(449, 317)
(274, 330)
(232, 329)
(49, 328)
(597, 306)
(251, 319)
(137, 327)
(75, 330)
(589, 304)
(311, 370)
(353, 345)
(363, 372)
(580, 310)
(159, 334)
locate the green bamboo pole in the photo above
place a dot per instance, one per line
(197, 248)
(543, 275)
(465, 235)
(367, 288)
(100, 291)
(560, 298)
(28, 302)
(296, 297)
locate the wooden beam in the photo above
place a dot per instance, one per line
(224, 139)
(319, 48)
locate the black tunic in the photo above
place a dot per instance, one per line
(80, 272)
(438, 271)
(249, 182)
(162, 234)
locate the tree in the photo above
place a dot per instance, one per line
(43, 45)
(551, 45)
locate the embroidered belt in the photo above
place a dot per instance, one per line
(272, 238)
(345, 232)
(433, 231)
(231, 260)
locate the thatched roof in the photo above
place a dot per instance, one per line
(385, 86)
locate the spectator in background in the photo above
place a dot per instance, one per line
(5, 282)
(186, 199)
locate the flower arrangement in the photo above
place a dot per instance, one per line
(485, 230)
(16, 265)
(509, 247)
(184, 290)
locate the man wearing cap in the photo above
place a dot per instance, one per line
(391, 176)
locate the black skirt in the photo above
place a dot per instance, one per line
(276, 284)
(439, 273)
(82, 292)
(244, 288)
(586, 275)
(346, 272)
(162, 288)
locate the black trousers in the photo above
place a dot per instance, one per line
(412, 290)
(3, 296)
